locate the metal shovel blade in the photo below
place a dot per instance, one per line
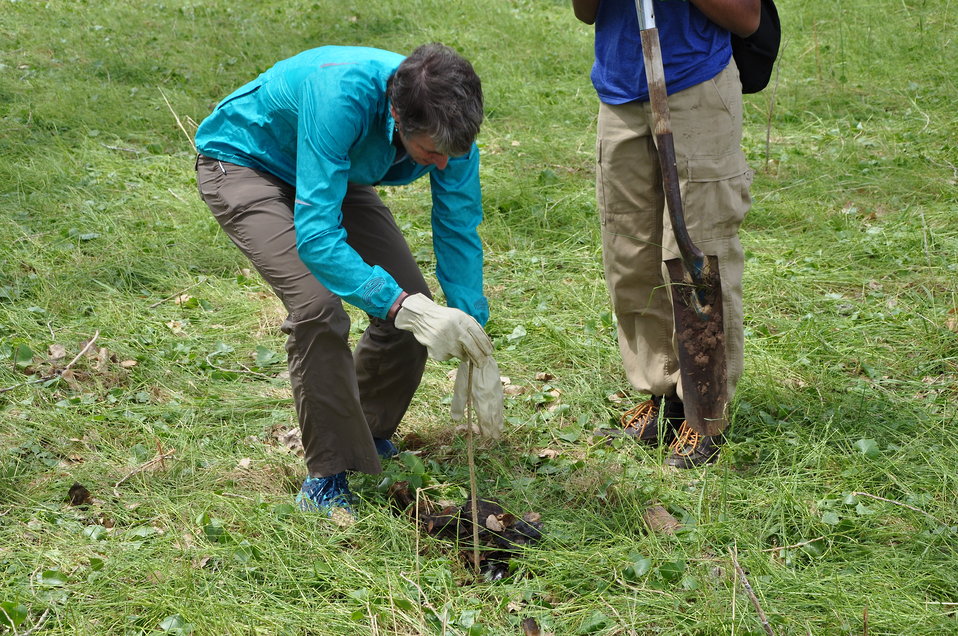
(700, 331)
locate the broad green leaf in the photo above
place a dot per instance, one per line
(221, 348)
(266, 357)
(52, 578)
(639, 567)
(97, 533)
(815, 548)
(246, 552)
(12, 614)
(690, 583)
(548, 177)
(413, 463)
(672, 570)
(283, 510)
(215, 532)
(517, 334)
(22, 355)
(140, 452)
(831, 518)
(869, 448)
(468, 618)
(403, 604)
(176, 624)
(594, 623)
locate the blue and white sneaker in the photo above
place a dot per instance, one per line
(324, 494)
(385, 448)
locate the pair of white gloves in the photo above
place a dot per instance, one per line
(450, 333)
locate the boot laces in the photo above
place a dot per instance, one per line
(640, 416)
(686, 441)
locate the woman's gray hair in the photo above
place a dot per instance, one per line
(437, 93)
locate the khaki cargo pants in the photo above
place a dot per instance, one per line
(343, 398)
(637, 236)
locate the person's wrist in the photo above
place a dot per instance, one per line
(391, 314)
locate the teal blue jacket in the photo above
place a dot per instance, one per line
(320, 120)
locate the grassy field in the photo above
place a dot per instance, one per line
(837, 492)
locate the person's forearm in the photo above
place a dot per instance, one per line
(585, 10)
(741, 17)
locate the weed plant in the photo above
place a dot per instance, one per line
(836, 492)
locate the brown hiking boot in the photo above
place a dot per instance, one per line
(690, 448)
(642, 422)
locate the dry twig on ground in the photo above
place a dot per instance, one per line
(751, 594)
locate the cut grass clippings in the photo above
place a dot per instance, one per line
(148, 457)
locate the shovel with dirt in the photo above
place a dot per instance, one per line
(696, 288)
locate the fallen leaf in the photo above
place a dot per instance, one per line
(245, 463)
(176, 326)
(179, 300)
(127, 364)
(544, 376)
(548, 453)
(57, 352)
(102, 357)
(513, 389)
(291, 439)
(617, 397)
(660, 520)
(530, 627)
(794, 383)
(952, 322)
(341, 517)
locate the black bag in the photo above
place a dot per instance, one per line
(756, 54)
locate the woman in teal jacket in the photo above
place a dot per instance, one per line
(288, 164)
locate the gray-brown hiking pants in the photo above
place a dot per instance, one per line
(343, 398)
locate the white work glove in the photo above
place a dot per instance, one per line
(486, 397)
(444, 331)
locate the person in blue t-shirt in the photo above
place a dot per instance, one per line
(705, 102)
(288, 164)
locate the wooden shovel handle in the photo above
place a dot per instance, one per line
(692, 256)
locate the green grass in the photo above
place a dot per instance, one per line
(851, 352)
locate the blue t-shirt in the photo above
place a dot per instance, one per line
(694, 49)
(321, 120)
